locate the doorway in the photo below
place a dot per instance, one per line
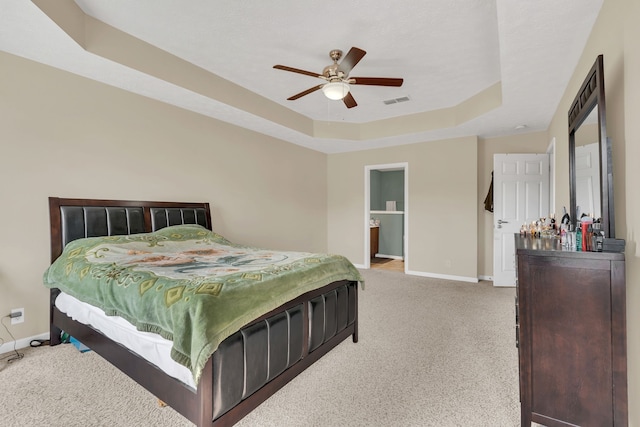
(386, 222)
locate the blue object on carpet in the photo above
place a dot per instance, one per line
(77, 344)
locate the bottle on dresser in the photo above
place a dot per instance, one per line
(597, 238)
(585, 223)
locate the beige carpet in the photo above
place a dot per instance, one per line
(431, 353)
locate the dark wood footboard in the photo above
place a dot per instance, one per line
(209, 405)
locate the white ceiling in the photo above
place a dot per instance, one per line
(446, 51)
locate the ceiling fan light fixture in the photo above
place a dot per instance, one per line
(335, 90)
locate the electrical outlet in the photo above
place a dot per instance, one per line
(17, 319)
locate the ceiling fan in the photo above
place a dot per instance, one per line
(337, 77)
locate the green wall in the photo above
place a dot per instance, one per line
(391, 234)
(386, 185)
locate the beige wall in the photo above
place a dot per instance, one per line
(628, 210)
(63, 135)
(529, 143)
(346, 200)
(615, 35)
(442, 216)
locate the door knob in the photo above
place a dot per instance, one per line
(500, 222)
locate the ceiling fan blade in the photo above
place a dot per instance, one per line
(303, 93)
(351, 59)
(296, 70)
(349, 101)
(376, 81)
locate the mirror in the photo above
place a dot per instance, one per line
(587, 163)
(590, 171)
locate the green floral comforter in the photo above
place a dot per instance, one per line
(188, 284)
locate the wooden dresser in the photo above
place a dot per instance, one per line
(571, 335)
(375, 237)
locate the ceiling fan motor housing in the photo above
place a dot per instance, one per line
(332, 73)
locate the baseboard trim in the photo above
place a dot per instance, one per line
(390, 256)
(444, 276)
(487, 278)
(22, 343)
(436, 276)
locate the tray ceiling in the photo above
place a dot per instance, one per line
(469, 67)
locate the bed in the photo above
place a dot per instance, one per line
(248, 365)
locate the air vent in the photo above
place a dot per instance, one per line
(396, 100)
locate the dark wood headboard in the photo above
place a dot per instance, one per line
(77, 218)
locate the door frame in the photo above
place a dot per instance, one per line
(551, 151)
(367, 209)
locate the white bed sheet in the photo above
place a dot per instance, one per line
(149, 346)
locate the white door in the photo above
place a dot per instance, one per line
(520, 195)
(588, 179)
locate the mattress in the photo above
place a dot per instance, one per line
(152, 347)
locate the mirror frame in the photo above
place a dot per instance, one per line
(590, 95)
